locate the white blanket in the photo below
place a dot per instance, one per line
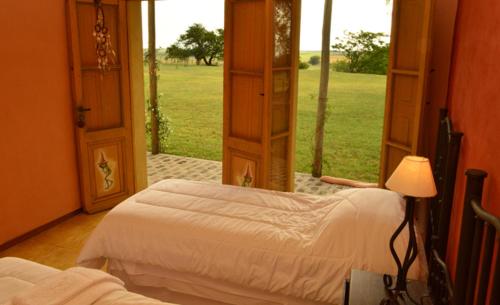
(75, 286)
(27, 282)
(295, 245)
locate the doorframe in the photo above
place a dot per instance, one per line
(137, 100)
(442, 42)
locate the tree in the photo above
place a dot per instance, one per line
(198, 42)
(323, 91)
(177, 52)
(153, 81)
(366, 52)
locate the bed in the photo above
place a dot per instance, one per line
(198, 243)
(241, 246)
(26, 282)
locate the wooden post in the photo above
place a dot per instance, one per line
(323, 91)
(153, 88)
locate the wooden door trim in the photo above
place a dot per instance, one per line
(423, 73)
(76, 85)
(420, 73)
(294, 75)
(228, 34)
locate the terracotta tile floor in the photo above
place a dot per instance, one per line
(163, 166)
(59, 246)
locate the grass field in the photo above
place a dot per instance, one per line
(192, 99)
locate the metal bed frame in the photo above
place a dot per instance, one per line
(477, 280)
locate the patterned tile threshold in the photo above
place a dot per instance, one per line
(164, 166)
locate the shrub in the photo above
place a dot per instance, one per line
(303, 65)
(341, 65)
(314, 60)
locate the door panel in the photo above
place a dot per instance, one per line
(260, 89)
(106, 161)
(101, 93)
(86, 21)
(248, 31)
(278, 171)
(102, 106)
(282, 27)
(246, 109)
(243, 168)
(406, 82)
(409, 34)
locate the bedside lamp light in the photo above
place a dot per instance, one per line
(412, 178)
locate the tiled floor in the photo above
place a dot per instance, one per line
(59, 246)
(163, 166)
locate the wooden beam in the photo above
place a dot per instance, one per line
(153, 88)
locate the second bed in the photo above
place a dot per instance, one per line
(191, 242)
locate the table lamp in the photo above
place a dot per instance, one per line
(412, 178)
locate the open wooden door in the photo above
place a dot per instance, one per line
(102, 105)
(406, 82)
(260, 89)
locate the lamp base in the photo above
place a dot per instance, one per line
(397, 298)
(400, 290)
(393, 299)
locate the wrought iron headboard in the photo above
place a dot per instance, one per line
(445, 169)
(478, 233)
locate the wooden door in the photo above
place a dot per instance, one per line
(260, 89)
(102, 105)
(406, 81)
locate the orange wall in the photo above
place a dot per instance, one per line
(38, 171)
(474, 103)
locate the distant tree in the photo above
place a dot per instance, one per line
(365, 52)
(177, 52)
(198, 42)
(314, 60)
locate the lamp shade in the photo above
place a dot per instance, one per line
(413, 177)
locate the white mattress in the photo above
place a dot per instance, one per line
(284, 244)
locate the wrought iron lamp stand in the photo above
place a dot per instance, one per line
(397, 292)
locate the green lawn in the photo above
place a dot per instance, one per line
(192, 99)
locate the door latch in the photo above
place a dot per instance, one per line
(80, 122)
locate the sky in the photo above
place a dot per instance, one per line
(173, 17)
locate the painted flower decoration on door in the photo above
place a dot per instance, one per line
(106, 170)
(247, 178)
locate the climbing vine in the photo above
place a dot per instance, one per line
(164, 128)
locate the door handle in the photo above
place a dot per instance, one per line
(80, 122)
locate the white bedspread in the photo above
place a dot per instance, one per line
(75, 286)
(24, 282)
(295, 245)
